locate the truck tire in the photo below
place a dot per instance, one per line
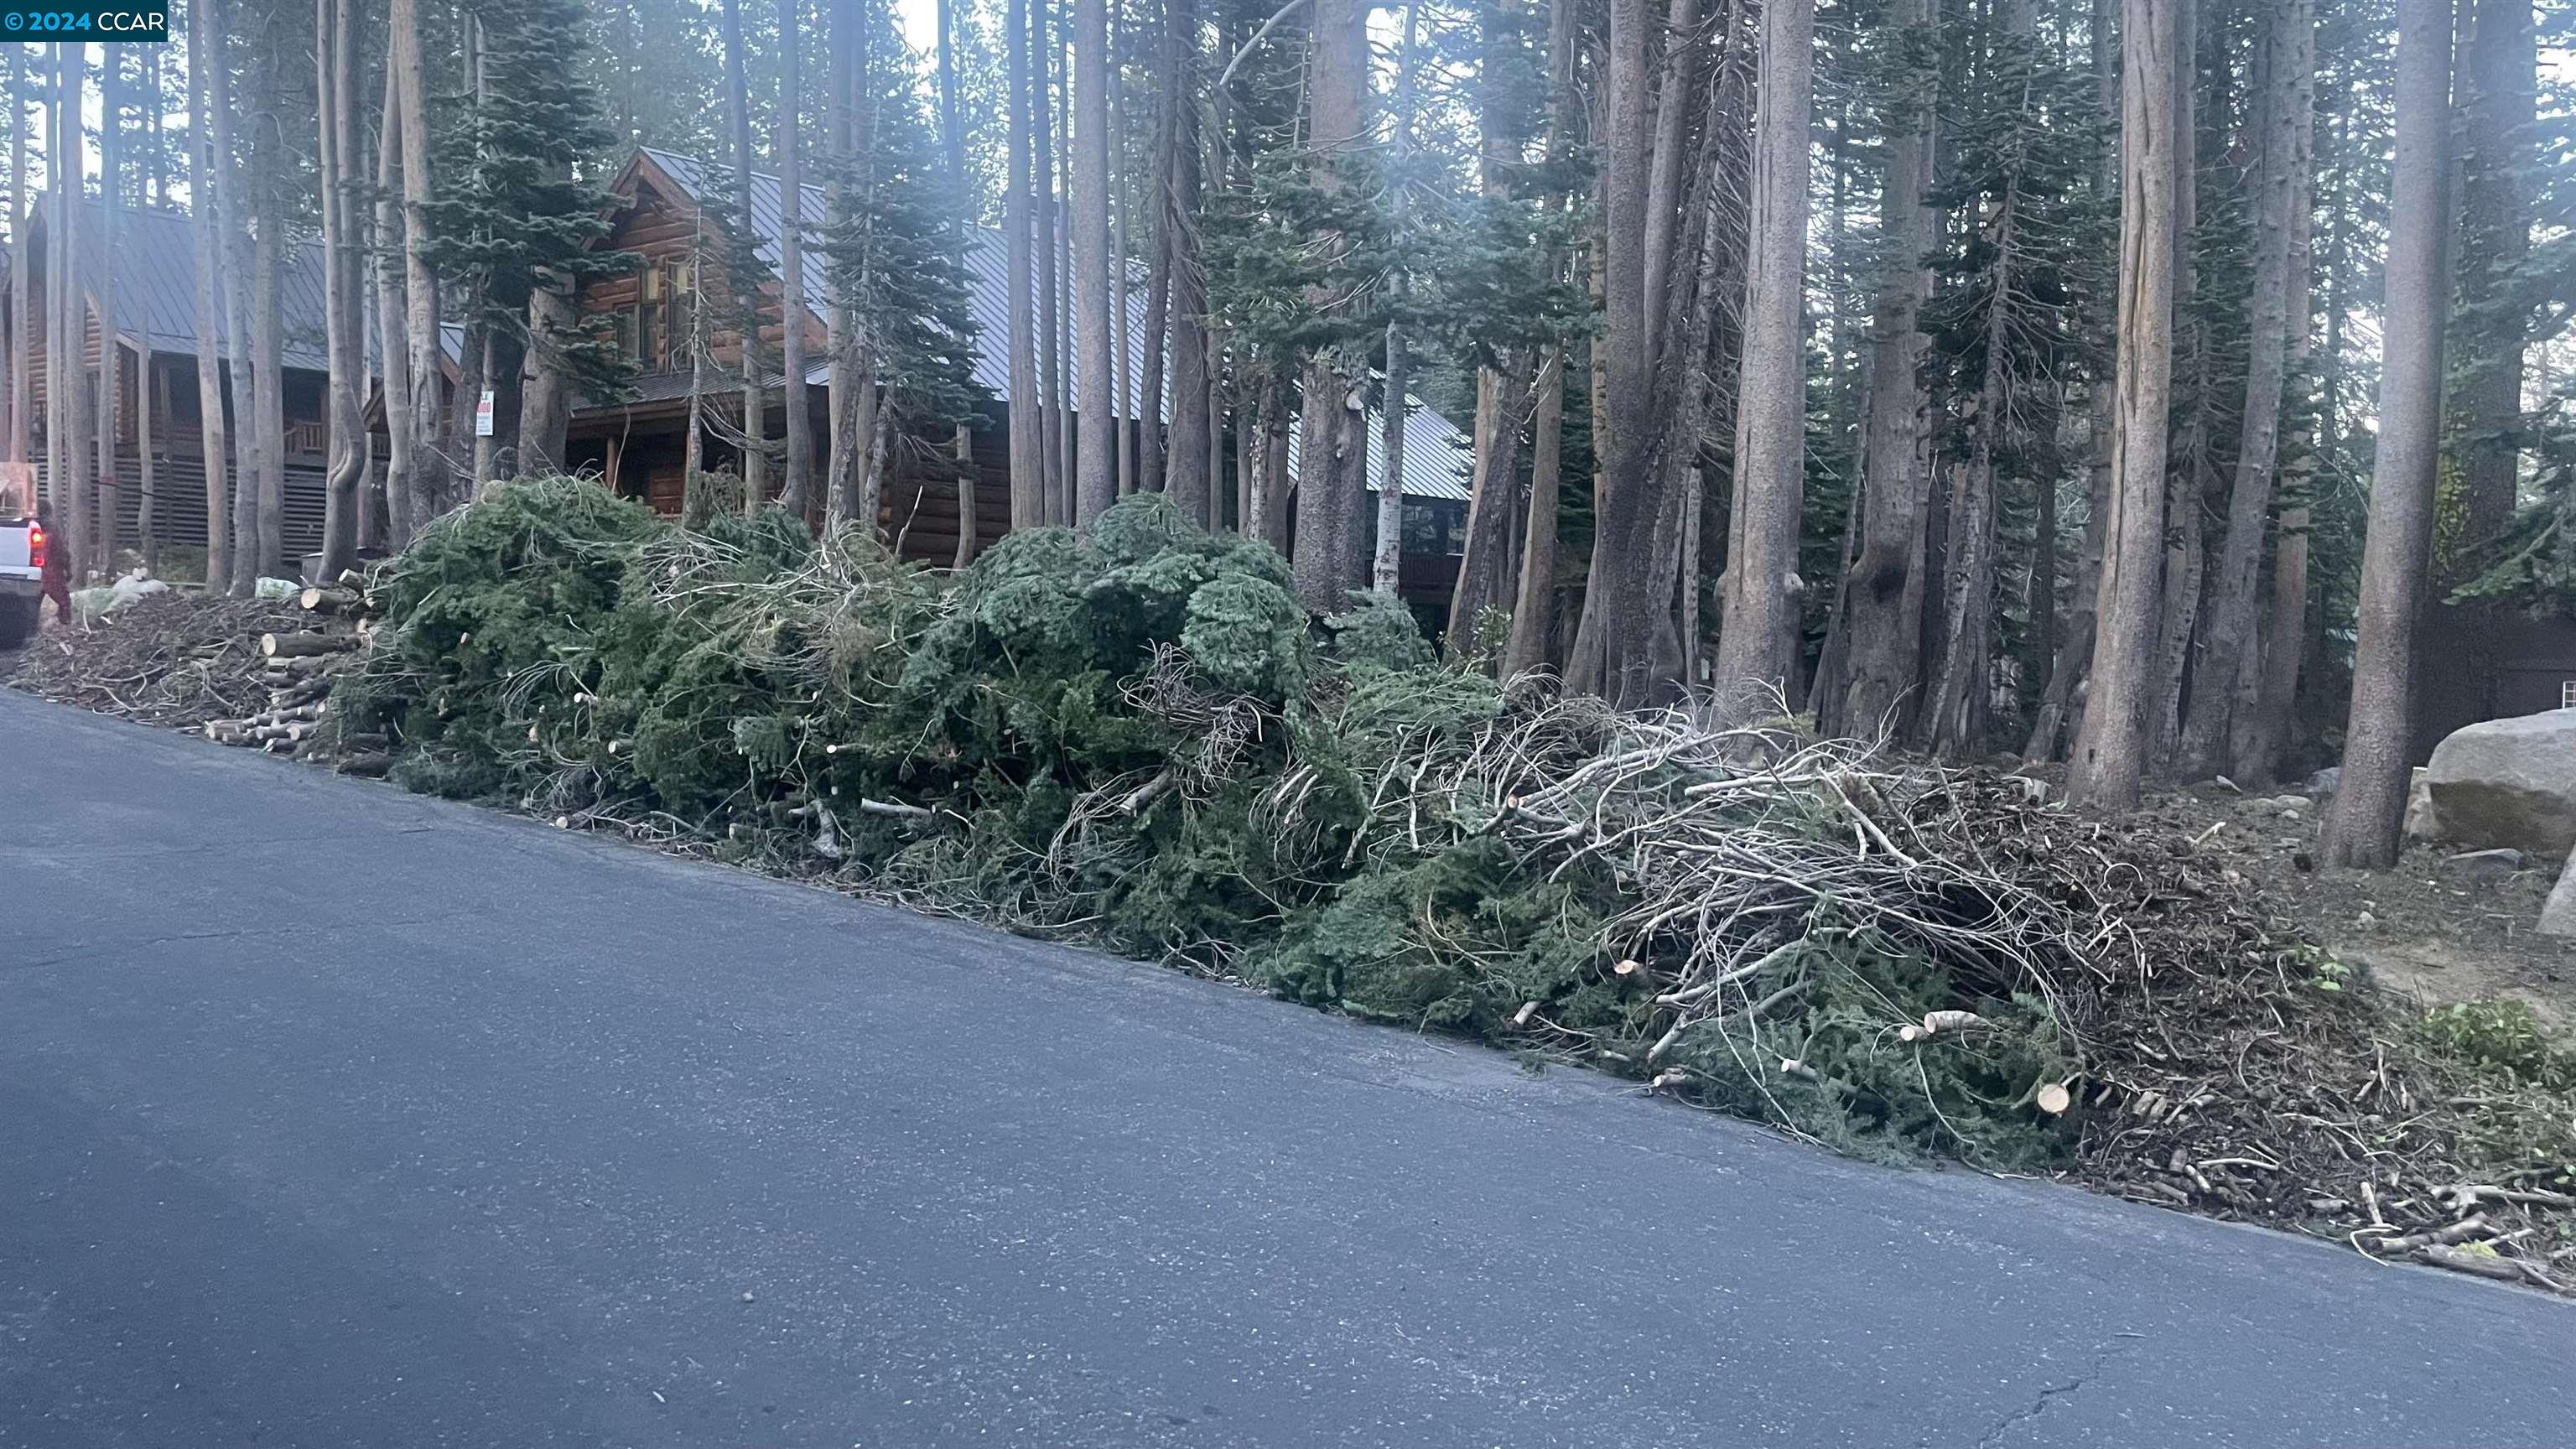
(17, 621)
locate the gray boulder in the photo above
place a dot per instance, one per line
(2508, 783)
(2558, 916)
(2325, 781)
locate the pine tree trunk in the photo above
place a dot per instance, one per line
(2187, 474)
(1028, 455)
(1962, 686)
(1532, 643)
(1673, 95)
(1122, 394)
(50, 498)
(69, 374)
(1171, 105)
(867, 481)
(1050, 266)
(1327, 558)
(233, 196)
(2075, 654)
(334, 76)
(111, 180)
(796, 482)
(1611, 654)
(393, 334)
(843, 338)
(1502, 391)
(1387, 565)
(267, 337)
(2500, 99)
(432, 467)
(213, 431)
(1095, 482)
(1757, 648)
(961, 448)
(2263, 722)
(1189, 472)
(21, 359)
(1881, 664)
(755, 412)
(2110, 749)
(2362, 829)
(2230, 673)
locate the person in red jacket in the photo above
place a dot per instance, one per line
(58, 566)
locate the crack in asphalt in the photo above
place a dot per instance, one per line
(2051, 1393)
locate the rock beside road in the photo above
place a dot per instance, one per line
(2508, 784)
(2558, 916)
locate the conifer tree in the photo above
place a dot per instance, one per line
(517, 217)
(896, 258)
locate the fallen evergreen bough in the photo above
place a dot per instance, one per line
(1133, 737)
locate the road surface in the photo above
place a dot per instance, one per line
(331, 1116)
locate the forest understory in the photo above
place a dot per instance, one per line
(1132, 738)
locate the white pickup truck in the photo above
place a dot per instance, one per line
(22, 577)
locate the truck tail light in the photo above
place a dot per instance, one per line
(35, 545)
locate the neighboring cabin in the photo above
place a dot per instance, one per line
(156, 336)
(636, 446)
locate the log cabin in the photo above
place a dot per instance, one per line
(634, 445)
(159, 442)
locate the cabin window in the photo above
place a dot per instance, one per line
(649, 304)
(665, 311)
(2567, 694)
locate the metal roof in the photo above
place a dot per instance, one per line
(1439, 460)
(156, 285)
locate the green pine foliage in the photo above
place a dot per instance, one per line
(898, 257)
(519, 203)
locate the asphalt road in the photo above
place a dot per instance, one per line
(331, 1116)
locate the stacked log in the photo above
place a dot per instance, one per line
(300, 667)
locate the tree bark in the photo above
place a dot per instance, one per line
(111, 180)
(1028, 449)
(334, 77)
(755, 409)
(1386, 567)
(2188, 466)
(1502, 390)
(2110, 749)
(68, 434)
(1533, 635)
(267, 336)
(21, 358)
(1189, 474)
(1877, 686)
(2362, 828)
(1050, 260)
(214, 433)
(2501, 99)
(1664, 185)
(1332, 445)
(403, 512)
(2262, 725)
(797, 481)
(1757, 648)
(1612, 653)
(2230, 674)
(1095, 482)
(433, 467)
(843, 338)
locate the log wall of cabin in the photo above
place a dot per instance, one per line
(662, 229)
